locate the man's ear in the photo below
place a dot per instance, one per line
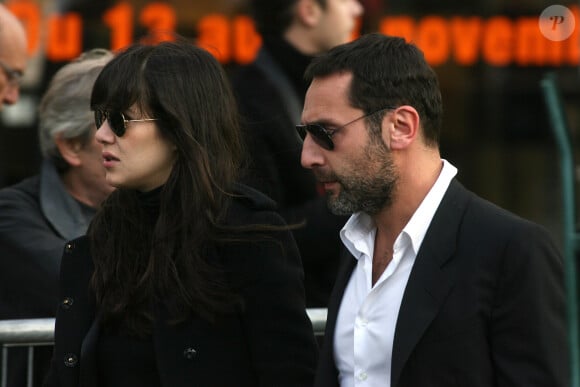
(403, 127)
(69, 149)
(308, 12)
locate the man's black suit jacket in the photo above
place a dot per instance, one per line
(484, 304)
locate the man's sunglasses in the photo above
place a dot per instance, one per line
(323, 136)
(117, 121)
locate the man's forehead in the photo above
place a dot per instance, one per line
(332, 89)
(13, 44)
(327, 100)
(15, 58)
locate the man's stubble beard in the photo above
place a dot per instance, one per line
(368, 186)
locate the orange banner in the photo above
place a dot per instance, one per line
(464, 40)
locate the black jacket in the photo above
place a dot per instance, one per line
(270, 343)
(37, 217)
(484, 305)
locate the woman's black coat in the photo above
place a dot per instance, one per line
(270, 343)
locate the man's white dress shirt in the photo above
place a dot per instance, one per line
(365, 326)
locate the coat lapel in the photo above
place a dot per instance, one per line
(430, 280)
(343, 276)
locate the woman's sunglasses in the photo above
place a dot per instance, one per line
(117, 121)
(323, 136)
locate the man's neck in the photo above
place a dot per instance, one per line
(300, 39)
(412, 188)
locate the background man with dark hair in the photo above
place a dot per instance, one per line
(270, 94)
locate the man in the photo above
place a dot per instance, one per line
(440, 288)
(270, 94)
(41, 213)
(12, 56)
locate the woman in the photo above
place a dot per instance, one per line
(184, 278)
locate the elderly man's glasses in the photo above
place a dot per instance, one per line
(13, 76)
(117, 121)
(323, 136)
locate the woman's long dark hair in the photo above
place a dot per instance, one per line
(137, 265)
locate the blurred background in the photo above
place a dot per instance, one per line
(490, 56)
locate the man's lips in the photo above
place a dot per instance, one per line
(329, 184)
(326, 180)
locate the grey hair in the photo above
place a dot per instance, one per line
(65, 107)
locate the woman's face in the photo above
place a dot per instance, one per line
(141, 158)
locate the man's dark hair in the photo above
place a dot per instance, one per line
(387, 71)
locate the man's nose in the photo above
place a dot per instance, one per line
(311, 153)
(11, 94)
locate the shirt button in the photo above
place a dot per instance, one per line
(69, 247)
(362, 376)
(361, 322)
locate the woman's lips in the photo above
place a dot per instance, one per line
(109, 159)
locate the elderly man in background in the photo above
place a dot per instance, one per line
(12, 56)
(41, 213)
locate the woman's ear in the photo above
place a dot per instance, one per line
(403, 127)
(69, 149)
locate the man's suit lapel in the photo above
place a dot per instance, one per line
(430, 280)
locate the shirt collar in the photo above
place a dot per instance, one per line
(62, 211)
(360, 225)
(417, 226)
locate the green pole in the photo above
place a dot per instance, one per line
(571, 240)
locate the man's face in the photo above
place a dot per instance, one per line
(92, 172)
(337, 24)
(13, 59)
(359, 174)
